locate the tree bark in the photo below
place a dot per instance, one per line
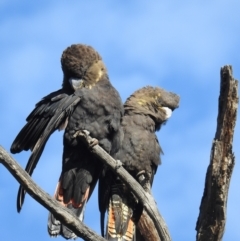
(212, 218)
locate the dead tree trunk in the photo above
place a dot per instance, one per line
(212, 218)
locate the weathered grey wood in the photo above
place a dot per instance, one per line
(46, 200)
(145, 198)
(212, 218)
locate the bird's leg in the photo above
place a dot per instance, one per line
(81, 133)
(93, 142)
(144, 181)
(85, 137)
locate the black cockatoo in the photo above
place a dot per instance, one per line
(87, 101)
(145, 111)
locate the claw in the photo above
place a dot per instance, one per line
(118, 164)
(86, 132)
(83, 135)
(93, 142)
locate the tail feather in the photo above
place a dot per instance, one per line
(55, 227)
(114, 231)
(120, 225)
(67, 233)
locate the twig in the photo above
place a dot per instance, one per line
(62, 213)
(211, 221)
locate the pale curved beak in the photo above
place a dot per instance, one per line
(168, 112)
(76, 83)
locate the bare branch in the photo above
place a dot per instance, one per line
(145, 198)
(66, 216)
(211, 221)
(62, 213)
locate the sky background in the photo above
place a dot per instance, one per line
(177, 45)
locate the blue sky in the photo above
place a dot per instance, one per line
(179, 46)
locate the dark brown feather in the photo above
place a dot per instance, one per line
(94, 105)
(145, 112)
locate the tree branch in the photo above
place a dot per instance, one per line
(70, 220)
(211, 221)
(62, 213)
(145, 198)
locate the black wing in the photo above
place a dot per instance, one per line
(37, 122)
(49, 115)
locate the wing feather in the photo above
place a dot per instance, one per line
(60, 110)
